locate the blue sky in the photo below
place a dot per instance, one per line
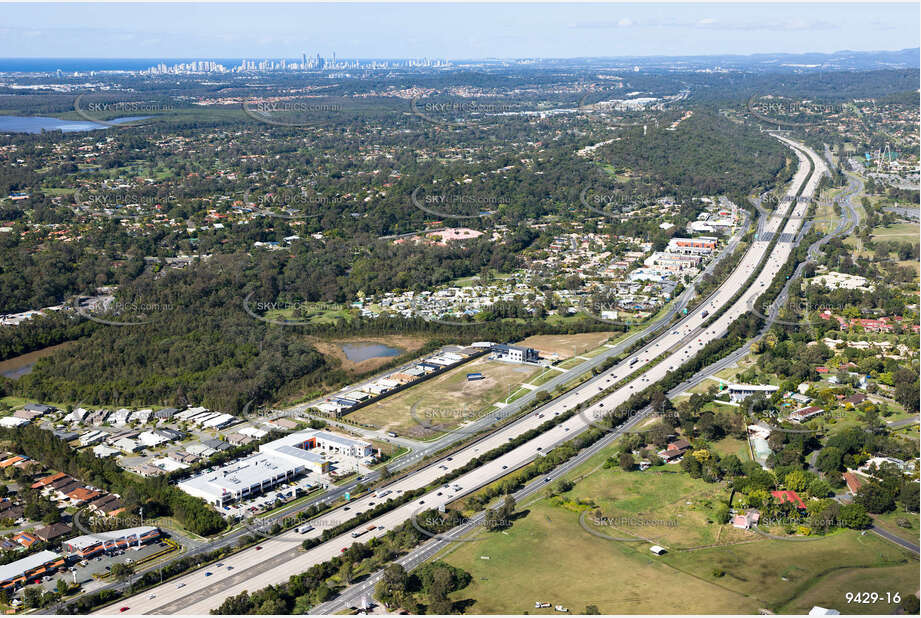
(448, 30)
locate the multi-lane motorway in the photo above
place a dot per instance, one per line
(278, 558)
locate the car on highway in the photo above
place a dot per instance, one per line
(505, 467)
(207, 573)
(180, 585)
(124, 609)
(258, 547)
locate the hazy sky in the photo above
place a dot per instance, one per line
(448, 30)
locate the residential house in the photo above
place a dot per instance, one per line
(853, 483)
(804, 414)
(54, 531)
(26, 539)
(789, 496)
(745, 521)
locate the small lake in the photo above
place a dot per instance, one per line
(37, 124)
(357, 352)
(19, 366)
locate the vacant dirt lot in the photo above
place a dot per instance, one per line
(566, 345)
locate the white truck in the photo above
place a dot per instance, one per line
(305, 529)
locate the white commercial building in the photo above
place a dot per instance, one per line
(276, 462)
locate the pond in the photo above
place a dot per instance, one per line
(362, 351)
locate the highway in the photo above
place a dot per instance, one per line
(281, 557)
(480, 425)
(353, 595)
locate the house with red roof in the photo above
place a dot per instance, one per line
(48, 480)
(788, 495)
(853, 483)
(12, 461)
(26, 539)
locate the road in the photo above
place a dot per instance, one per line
(279, 558)
(912, 547)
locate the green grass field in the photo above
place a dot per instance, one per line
(448, 400)
(728, 446)
(887, 521)
(901, 232)
(547, 556)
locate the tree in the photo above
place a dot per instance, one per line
(592, 610)
(322, 593)
(908, 497)
(347, 571)
(731, 465)
(658, 434)
(626, 461)
(829, 460)
(875, 498)
(394, 580)
(854, 516)
(911, 605)
(796, 480)
(563, 485)
(121, 571)
(819, 488)
(32, 597)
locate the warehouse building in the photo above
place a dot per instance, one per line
(516, 353)
(276, 462)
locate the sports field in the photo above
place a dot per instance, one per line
(446, 401)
